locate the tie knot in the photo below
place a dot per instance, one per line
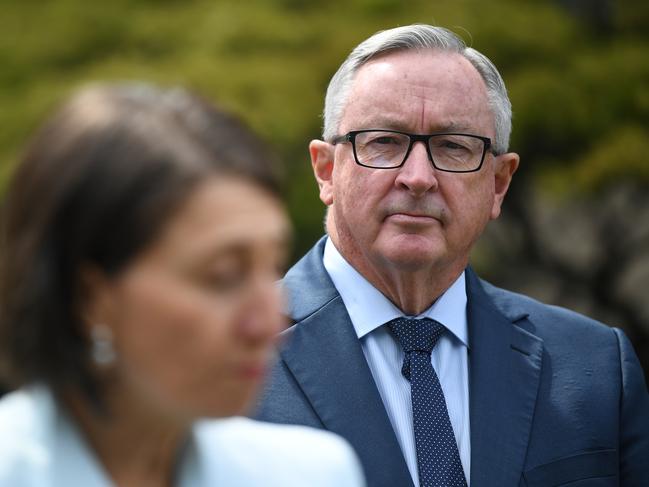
(416, 335)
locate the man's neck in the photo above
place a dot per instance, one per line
(411, 290)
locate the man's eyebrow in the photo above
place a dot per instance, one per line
(383, 123)
(395, 124)
(453, 126)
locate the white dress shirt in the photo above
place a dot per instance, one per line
(369, 310)
(41, 446)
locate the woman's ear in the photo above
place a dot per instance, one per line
(94, 298)
(96, 312)
(322, 161)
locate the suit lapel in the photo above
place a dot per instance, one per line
(504, 372)
(326, 359)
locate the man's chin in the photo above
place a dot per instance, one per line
(412, 253)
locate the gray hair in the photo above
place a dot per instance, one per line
(418, 36)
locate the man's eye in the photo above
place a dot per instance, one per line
(449, 144)
(384, 140)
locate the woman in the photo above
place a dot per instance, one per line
(142, 239)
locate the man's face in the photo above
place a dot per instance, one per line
(414, 217)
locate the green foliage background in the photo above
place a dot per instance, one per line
(577, 72)
(580, 88)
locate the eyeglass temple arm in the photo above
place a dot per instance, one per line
(340, 139)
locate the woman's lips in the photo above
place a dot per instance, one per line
(252, 371)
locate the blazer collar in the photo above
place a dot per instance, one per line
(504, 375)
(326, 359)
(308, 285)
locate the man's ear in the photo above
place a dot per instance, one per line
(322, 161)
(504, 169)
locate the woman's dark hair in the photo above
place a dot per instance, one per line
(96, 184)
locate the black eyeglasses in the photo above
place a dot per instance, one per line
(389, 149)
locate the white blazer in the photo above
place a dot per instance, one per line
(41, 446)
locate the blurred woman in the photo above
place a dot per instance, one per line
(142, 237)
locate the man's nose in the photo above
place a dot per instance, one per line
(417, 175)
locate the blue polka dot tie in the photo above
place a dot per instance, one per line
(438, 458)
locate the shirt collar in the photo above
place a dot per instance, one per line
(369, 309)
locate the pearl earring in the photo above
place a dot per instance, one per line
(102, 351)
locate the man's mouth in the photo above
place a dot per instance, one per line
(412, 218)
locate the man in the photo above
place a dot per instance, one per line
(434, 376)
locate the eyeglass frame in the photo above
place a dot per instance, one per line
(425, 138)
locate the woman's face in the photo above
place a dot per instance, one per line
(195, 315)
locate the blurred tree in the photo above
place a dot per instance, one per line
(575, 226)
(575, 230)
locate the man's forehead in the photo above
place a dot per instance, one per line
(407, 64)
(422, 90)
(403, 122)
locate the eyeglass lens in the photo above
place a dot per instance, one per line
(388, 149)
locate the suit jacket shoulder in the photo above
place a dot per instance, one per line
(556, 326)
(590, 380)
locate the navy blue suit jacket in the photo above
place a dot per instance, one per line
(555, 398)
